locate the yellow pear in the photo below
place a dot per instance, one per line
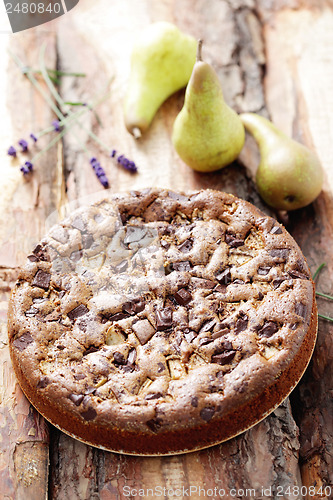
(161, 64)
(207, 134)
(289, 175)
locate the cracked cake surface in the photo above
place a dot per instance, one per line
(161, 322)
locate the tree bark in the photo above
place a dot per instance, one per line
(298, 78)
(24, 206)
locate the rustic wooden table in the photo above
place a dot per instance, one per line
(272, 57)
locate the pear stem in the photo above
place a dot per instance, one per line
(136, 132)
(199, 57)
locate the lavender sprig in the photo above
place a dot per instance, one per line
(318, 270)
(320, 294)
(64, 120)
(53, 73)
(124, 162)
(121, 159)
(327, 318)
(28, 165)
(57, 125)
(100, 172)
(324, 295)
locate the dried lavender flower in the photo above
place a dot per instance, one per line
(124, 162)
(24, 145)
(99, 171)
(56, 125)
(33, 137)
(26, 168)
(12, 151)
(127, 164)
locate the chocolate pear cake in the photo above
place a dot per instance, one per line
(156, 322)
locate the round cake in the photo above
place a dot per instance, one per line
(156, 322)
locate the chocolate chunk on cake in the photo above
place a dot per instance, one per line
(159, 322)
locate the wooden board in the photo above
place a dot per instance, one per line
(276, 60)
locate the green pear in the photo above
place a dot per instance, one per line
(161, 64)
(207, 134)
(289, 175)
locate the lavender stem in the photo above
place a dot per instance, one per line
(61, 102)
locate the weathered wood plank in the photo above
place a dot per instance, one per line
(24, 205)
(299, 48)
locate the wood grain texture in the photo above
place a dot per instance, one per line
(262, 52)
(25, 204)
